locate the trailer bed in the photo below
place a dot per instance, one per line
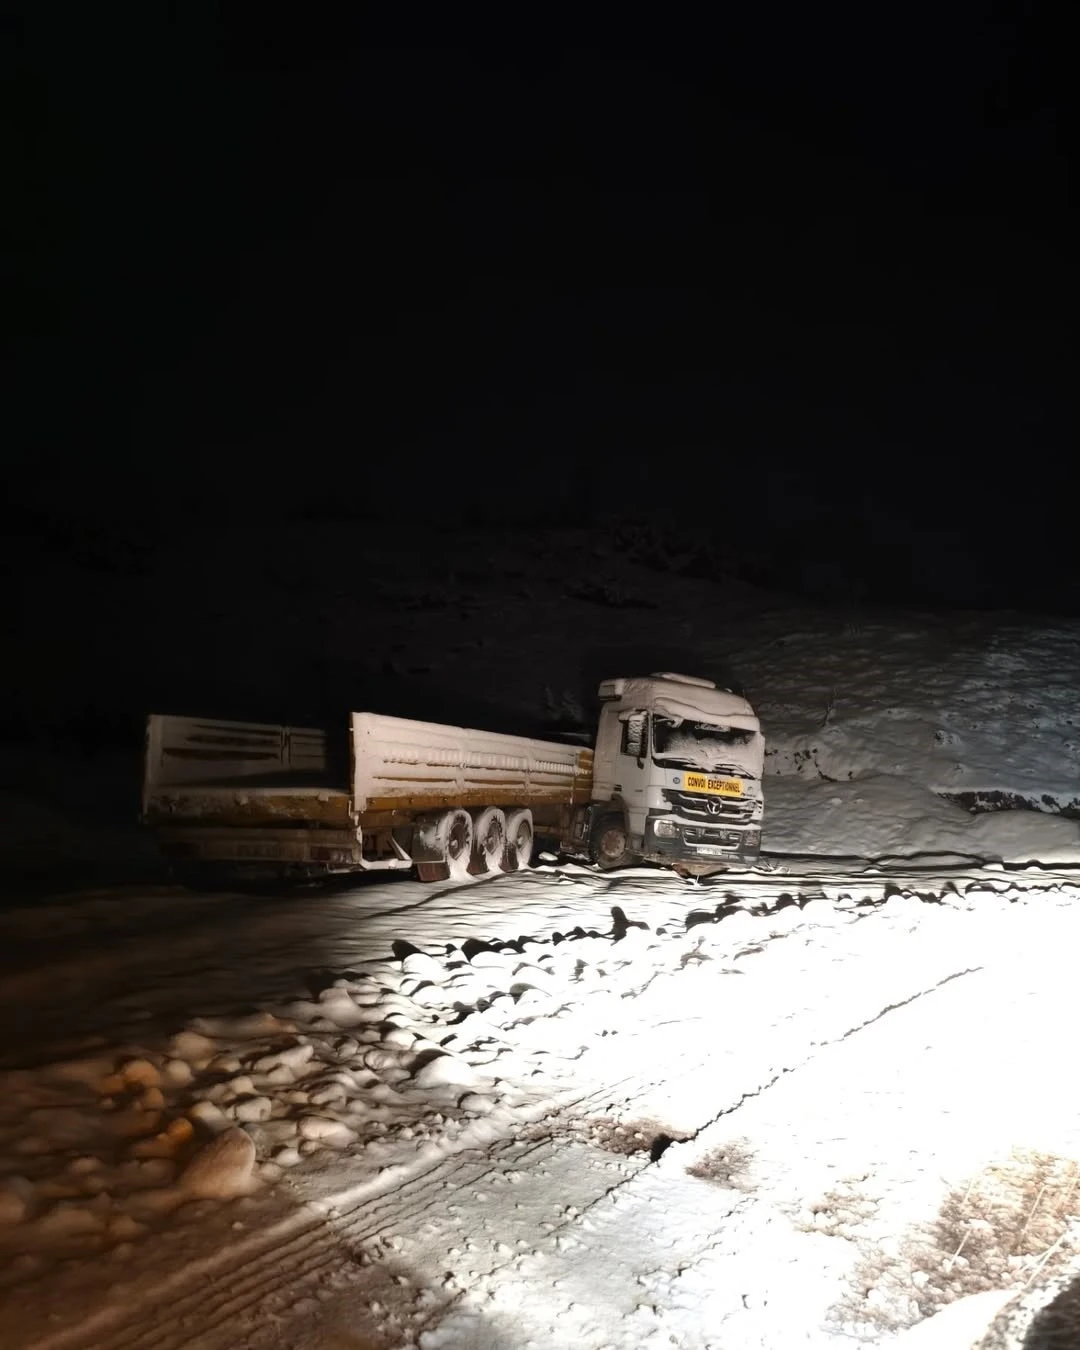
(219, 773)
(204, 771)
(403, 765)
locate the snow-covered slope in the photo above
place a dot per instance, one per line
(958, 704)
(887, 817)
(306, 622)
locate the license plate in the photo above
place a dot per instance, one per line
(710, 850)
(719, 787)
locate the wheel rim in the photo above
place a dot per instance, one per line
(458, 840)
(519, 841)
(493, 840)
(489, 840)
(613, 843)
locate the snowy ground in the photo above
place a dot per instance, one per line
(825, 1103)
(558, 1109)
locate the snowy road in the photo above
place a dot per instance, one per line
(557, 1109)
(140, 954)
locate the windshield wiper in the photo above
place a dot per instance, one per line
(729, 770)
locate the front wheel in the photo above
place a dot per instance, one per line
(611, 843)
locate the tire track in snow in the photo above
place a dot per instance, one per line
(309, 1243)
(627, 1185)
(321, 1245)
(691, 1071)
(323, 1235)
(312, 1240)
(598, 1218)
(295, 1248)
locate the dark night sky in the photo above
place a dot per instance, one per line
(780, 279)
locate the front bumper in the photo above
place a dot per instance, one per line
(694, 843)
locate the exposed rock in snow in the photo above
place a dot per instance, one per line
(293, 1058)
(140, 1073)
(72, 1218)
(194, 1048)
(379, 1059)
(146, 1173)
(477, 1104)
(424, 967)
(446, 1071)
(251, 1109)
(326, 1130)
(177, 1072)
(242, 1028)
(166, 1144)
(16, 1199)
(222, 1168)
(210, 1116)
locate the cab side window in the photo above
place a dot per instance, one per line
(635, 736)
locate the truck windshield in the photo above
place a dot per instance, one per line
(699, 745)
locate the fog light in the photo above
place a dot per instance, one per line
(665, 829)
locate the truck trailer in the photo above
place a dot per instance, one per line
(674, 778)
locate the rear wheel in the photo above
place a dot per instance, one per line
(610, 842)
(519, 841)
(456, 836)
(489, 840)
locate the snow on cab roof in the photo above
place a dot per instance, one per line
(682, 696)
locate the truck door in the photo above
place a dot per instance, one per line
(632, 766)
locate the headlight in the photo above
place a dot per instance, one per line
(665, 829)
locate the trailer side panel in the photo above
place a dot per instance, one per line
(200, 769)
(401, 765)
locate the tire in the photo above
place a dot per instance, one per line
(519, 841)
(610, 843)
(489, 840)
(455, 833)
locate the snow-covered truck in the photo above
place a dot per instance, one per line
(674, 778)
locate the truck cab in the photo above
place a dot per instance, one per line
(676, 774)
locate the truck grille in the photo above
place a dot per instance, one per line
(715, 810)
(696, 834)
